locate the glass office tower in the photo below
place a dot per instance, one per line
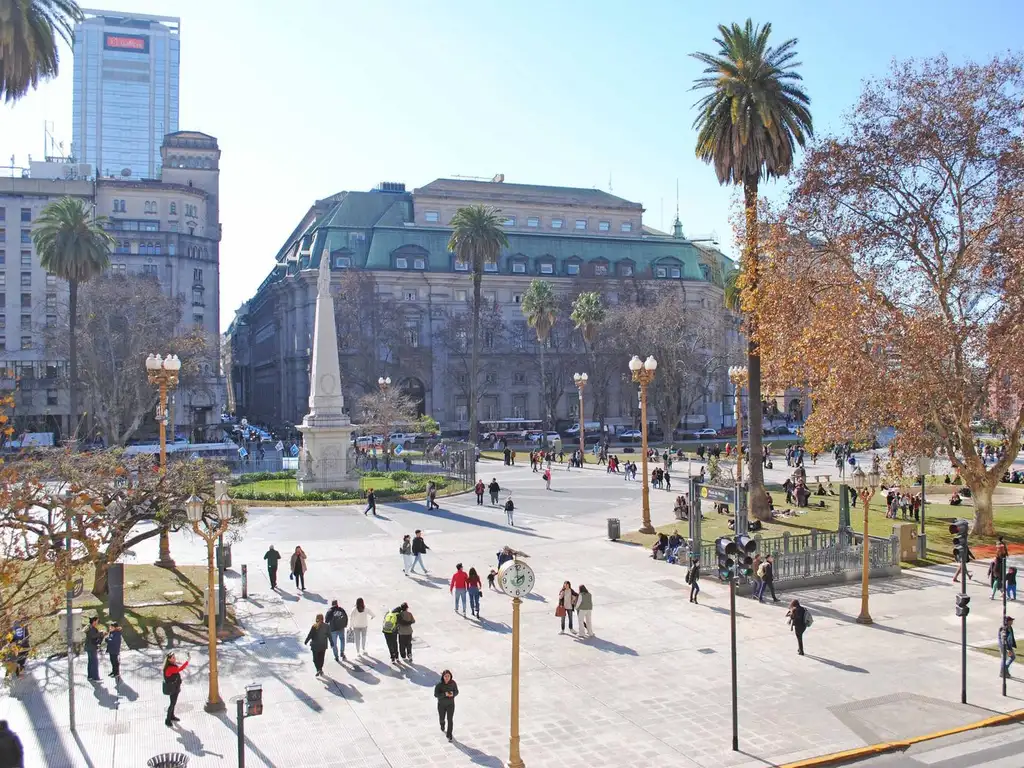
(126, 91)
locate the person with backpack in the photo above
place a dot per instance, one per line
(114, 649)
(510, 508)
(419, 549)
(459, 585)
(766, 573)
(172, 685)
(93, 641)
(361, 616)
(272, 556)
(318, 638)
(480, 488)
(390, 631)
(371, 503)
(494, 490)
(799, 620)
(337, 621)
(693, 579)
(445, 692)
(405, 622)
(298, 567)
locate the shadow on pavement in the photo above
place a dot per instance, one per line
(103, 697)
(460, 518)
(347, 692)
(421, 675)
(231, 725)
(477, 757)
(361, 672)
(125, 690)
(81, 748)
(724, 611)
(607, 645)
(493, 626)
(39, 714)
(316, 597)
(839, 665)
(192, 744)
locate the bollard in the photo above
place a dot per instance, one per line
(245, 581)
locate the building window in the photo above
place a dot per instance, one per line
(51, 397)
(26, 279)
(26, 342)
(150, 269)
(600, 269)
(517, 298)
(51, 321)
(342, 262)
(627, 226)
(675, 272)
(419, 263)
(410, 295)
(519, 267)
(174, 209)
(3, 320)
(3, 300)
(510, 221)
(490, 296)
(572, 268)
(51, 281)
(625, 270)
(533, 221)
(460, 295)
(461, 266)
(431, 216)
(3, 279)
(491, 378)
(26, 236)
(26, 258)
(51, 301)
(3, 348)
(581, 223)
(603, 226)
(556, 223)
(26, 215)
(119, 269)
(661, 272)
(197, 275)
(518, 377)
(3, 256)
(401, 262)
(490, 266)
(547, 268)
(26, 322)
(3, 214)
(197, 298)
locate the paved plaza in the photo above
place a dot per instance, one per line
(652, 688)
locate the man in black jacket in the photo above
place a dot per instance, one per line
(337, 620)
(419, 549)
(93, 640)
(272, 556)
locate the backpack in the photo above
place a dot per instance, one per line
(808, 618)
(390, 622)
(339, 620)
(761, 569)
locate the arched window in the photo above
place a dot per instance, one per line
(174, 209)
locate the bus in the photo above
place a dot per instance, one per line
(215, 451)
(509, 429)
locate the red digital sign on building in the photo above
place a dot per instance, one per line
(137, 43)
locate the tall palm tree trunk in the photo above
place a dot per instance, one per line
(543, 396)
(72, 359)
(757, 501)
(474, 359)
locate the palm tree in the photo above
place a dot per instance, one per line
(749, 126)
(28, 41)
(588, 314)
(72, 245)
(540, 306)
(477, 239)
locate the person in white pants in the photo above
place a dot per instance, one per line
(358, 622)
(585, 611)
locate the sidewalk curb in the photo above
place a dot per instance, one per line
(841, 758)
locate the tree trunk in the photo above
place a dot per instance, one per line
(543, 395)
(983, 524)
(72, 358)
(99, 577)
(475, 356)
(758, 501)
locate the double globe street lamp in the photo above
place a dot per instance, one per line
(163, 373)
(643, 374)
(581, 382)
(865, 485)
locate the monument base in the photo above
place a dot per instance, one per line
(326, 462)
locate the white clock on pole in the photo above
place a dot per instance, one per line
(516, 579)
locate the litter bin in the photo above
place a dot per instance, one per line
(168, 760)
(614, 529)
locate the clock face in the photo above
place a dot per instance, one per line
(516, 579)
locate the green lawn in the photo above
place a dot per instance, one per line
(288, 485)
(1009, 523)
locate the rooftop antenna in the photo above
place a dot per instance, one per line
(677, 198)
(609, 181)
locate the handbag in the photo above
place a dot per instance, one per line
(350, 635)
(560, 610)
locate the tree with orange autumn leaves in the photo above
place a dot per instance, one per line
(892, 280)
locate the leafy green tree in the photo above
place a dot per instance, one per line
(29, 36)
(477, 239)
(540, 306)
(749, 125)
(72, 245)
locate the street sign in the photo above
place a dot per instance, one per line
(295, 450)
(399, 450)
(279, 446)
(716, 493)
(77, 588)
(242, 452)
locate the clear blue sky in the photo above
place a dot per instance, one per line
(310, 97)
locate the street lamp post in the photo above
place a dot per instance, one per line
(865, 485)
(581, 383)
(383, 383)
(643, 374)
(163, 373)
(194, 510)
(924, 465)
(738, 377)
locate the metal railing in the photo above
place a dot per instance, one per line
(784, 544)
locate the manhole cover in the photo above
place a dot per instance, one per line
(706, 650)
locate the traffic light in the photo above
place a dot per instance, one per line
(959, 531)
(745, 549)
(726, 550)
(962, 604)
(253, 700)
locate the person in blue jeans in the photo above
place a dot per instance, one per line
(93, 640)
(475, 587)
(459, 585)
(767, 579)
(1007, 646)
(337, 621)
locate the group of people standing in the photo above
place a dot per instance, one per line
(581, 603)
(296, 567)
(494, 489)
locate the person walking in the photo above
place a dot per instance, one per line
(585, 611)
(318, 638)
(371, 503)
(405, 550)
(995, 575)
(419, 549)
(172, 685)
(767, 575)
(93, 641)
(798, 622)
(1011, 583)
(114, 649)
(1007, 647)
(547, 478)
(359, 623)
(693, 579)
(20, 641)
(272, 556)
(510, 508)
(480, 488)
(337, 621)
(459, 585)
(445, 692)
(474, 586)
(405, 622)
(961, 569)
(566, 605)
(494, 490)
(12, 754)
(390, 630)
(298, 566)
(432, 496)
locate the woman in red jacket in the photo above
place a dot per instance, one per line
(172, 686)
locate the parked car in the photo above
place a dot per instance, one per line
(404, 439)
(368, 440)
(553, 437)
(707, 432)
(631, 435)
(780, 430)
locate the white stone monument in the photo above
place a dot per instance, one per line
(325, 459)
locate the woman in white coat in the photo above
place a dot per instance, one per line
(358, 621)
